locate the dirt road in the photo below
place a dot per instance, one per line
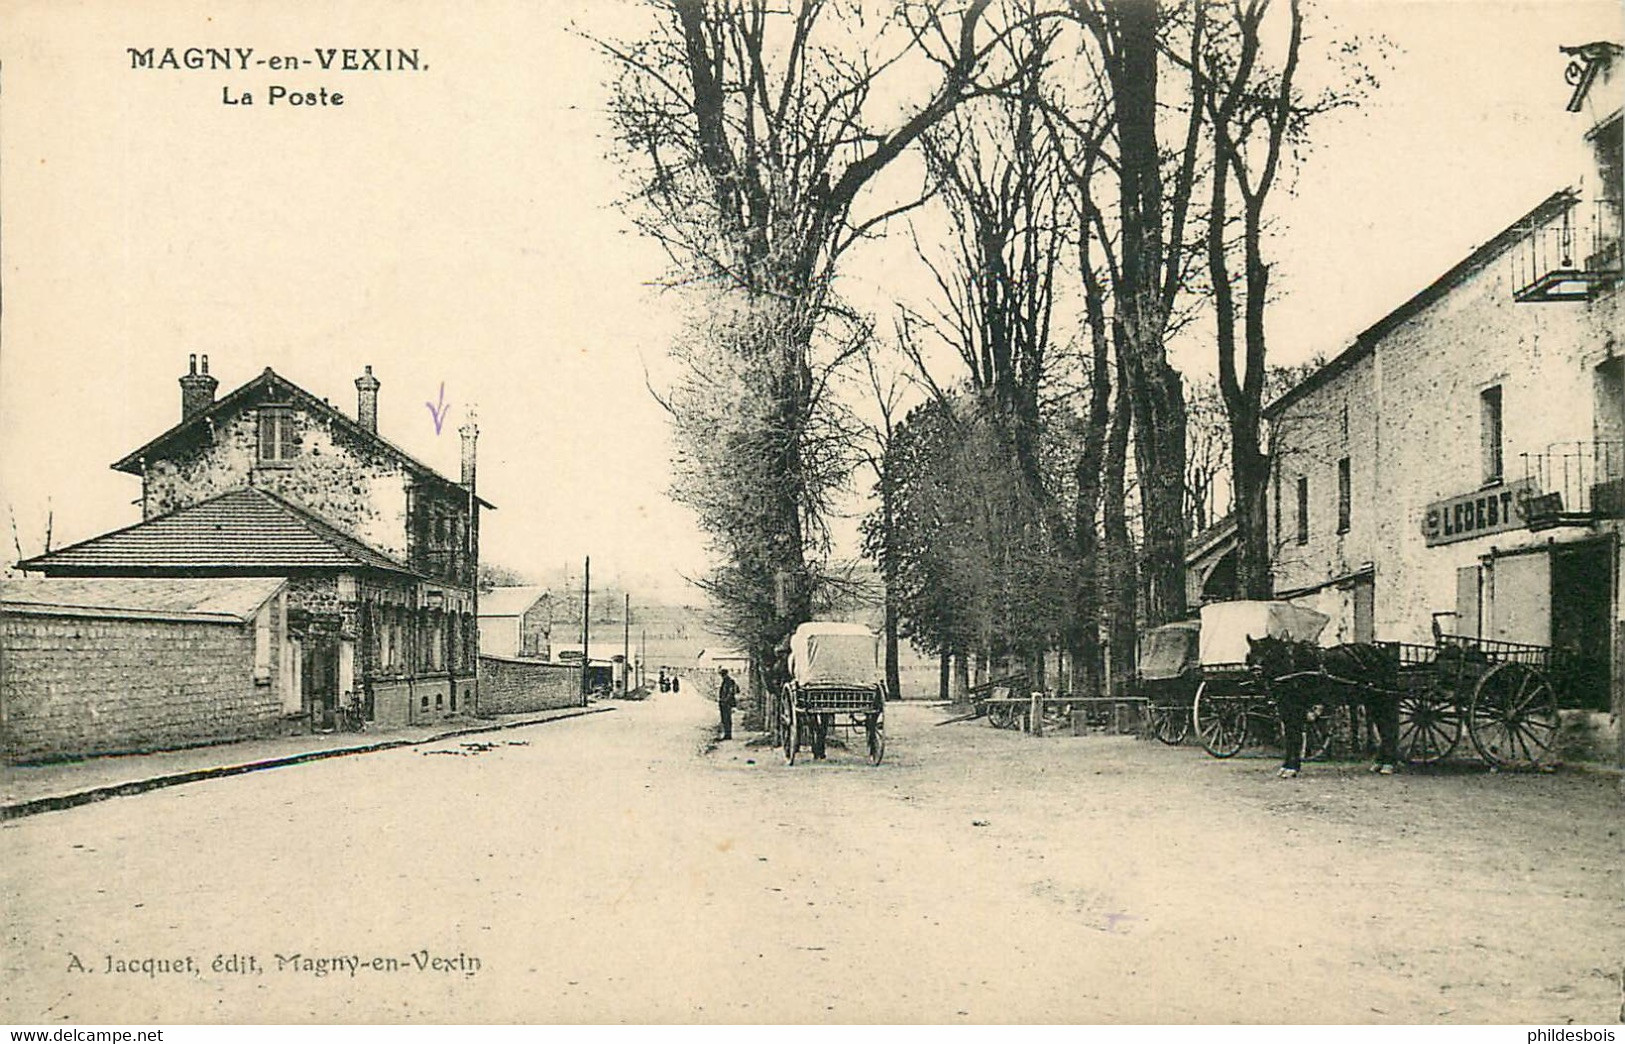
(616, 868)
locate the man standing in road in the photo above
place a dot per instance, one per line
(727, 696)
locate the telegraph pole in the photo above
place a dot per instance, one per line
(586, 630)
(626, 646)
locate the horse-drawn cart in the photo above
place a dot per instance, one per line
(1503, 695)
(836, 681)
(1233, 703)
(1003, 701)
(1167, 675)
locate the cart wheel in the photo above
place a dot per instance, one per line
(875, 726)
(1429, 724)
(792, 735)
(1514, 717)
(1221, 723)
(1171, 724)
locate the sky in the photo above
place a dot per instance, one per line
(457, 226)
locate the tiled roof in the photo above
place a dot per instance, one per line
(510, 601)
(245, 529)
(219, 599)
(270, 380)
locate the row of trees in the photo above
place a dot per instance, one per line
(1095, 179)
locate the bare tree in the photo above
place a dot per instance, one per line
(1256, 113)
(753, 132)
(1127, 43)
(1004, 196)
(886, 391)
(1207, 457)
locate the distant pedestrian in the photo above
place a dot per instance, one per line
(665, 682)
(727, 696)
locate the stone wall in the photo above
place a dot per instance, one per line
(513, 686)
(426, 700)
(356, 486)
(79, 686)
(1340, 421)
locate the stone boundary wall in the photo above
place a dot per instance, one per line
(80, 686)
(513, 686)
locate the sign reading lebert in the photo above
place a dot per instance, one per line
(1476, 514)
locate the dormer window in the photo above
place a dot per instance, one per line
(277, 446)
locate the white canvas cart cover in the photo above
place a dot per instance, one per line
(1226, 626)
(835, 654)
(1168, 650)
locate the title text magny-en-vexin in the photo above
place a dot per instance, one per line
(244, 59)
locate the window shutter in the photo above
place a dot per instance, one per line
(1467, 601)
(285, 446)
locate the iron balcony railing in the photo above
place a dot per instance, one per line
(1571, 254)
(1575, 482)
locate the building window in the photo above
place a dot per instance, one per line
(1277, 529)
(386, 638)
(262, 645)
(398, 628)
(1609, 419)
(1489, 412)
(1345, 495)
(277, 445)
(1303, 509)
(437, 642)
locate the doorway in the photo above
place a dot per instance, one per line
(1582, 600)
(319, 673)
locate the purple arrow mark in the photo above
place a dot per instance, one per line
(1113, 918)
(437, 410)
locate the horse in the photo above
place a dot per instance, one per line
(1302, 674)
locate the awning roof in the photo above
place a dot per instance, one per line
(210, 599)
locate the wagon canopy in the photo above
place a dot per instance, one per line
(823, 653)
(1168, 651)
(1226, 626)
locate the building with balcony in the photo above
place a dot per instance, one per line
(379, 551)
(1463, 461)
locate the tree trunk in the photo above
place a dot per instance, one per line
(1119, 608)
(1157, 394)
(894, 672)
(1083, 643)
(894, 669)
(1251, 470)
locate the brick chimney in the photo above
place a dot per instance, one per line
(197, 389)
(366, 401)
(471, 434)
